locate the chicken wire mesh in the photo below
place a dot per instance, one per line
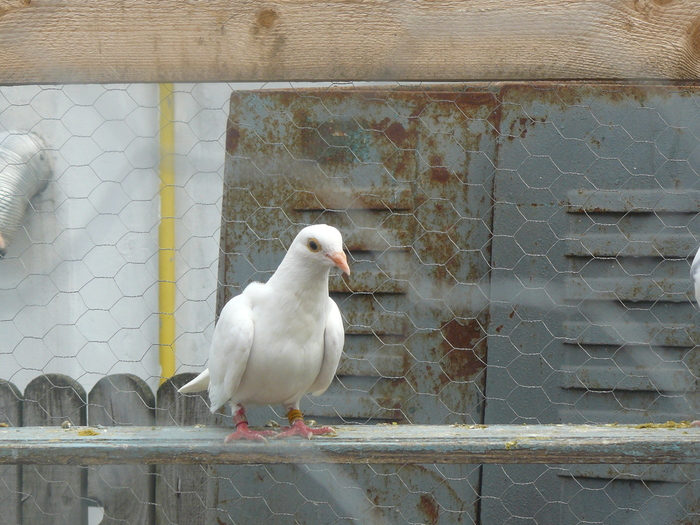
(520, 255)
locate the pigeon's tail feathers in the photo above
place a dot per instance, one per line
(199, 383)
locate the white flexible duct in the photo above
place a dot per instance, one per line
(24, 171)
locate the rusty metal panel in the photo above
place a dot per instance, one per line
(407, 177)
(595, 218)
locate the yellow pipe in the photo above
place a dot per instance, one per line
(166, 233)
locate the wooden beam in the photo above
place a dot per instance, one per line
(81, 41)
(552, 444)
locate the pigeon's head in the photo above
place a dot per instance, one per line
(321, 244)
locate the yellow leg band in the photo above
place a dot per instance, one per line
(294, 415)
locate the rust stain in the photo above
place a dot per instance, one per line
(564, 96)
(436, 248)
(417, 111)
(307, 139)
(285, 98)
(401, 164)
(439, 174)
(480, 105)
(465, 350)
(388, 394)
(431, 379)
(462, 336)
(378, 126)
(521, 126)
(429, 507)
(464, 364)
(521, 91)
(524, 124)
(445, 96)
(336, 158)
(439, 208)
(436, 160)
(476, 104)
(494, 119)
(400, 136)
(233, 137)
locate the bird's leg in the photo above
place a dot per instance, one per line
(242, 430)
(299, 428)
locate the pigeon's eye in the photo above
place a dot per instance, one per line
(313, 245)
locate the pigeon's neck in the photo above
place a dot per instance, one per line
(300, 279)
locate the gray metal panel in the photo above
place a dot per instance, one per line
(596, 211)
(407, 177)
(588, 319)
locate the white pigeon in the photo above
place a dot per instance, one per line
(277, 341)
(695, 277)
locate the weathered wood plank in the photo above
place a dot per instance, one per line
(53, 494)
(122, 399)
(181, 489)
(410, 444)
(52, 41)
(10, 415)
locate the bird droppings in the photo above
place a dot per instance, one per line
(4, 425)
(668, 424)
(472, 427)
(272, 424)
(66, 424)
(510, 445)
(88, 432)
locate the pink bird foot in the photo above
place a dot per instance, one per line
(695, 424)
(299, 428)
(243, 432)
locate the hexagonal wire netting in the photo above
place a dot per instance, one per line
(520, 255)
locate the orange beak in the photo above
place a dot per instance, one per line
(340, 260)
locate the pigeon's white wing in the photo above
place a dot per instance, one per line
(695, 275)
(334, 338)
(230, 348)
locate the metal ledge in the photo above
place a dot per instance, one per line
(402, 444)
